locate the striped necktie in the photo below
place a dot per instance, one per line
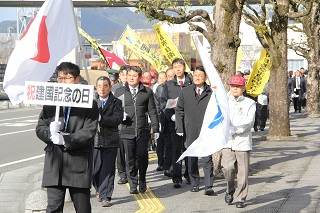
(134, 95)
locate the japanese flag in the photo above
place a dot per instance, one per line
(51, 35)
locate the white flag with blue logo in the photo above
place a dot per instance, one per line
(214, 132)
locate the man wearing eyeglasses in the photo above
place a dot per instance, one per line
(69, 148)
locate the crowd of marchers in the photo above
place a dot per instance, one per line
(132, 113)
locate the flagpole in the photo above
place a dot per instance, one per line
(82, 52)
(56, 118)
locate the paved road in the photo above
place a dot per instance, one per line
(284, 177)
(17, 136)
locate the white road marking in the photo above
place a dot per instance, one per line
(10, 133)
(21, 161)
(10, 119)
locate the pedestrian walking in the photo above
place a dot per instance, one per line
(106, 142)
(135, 132)
(174, 142)
(235, 157)
(191, 107)
(121, 158)
(69, 147)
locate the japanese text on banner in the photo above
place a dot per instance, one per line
(57, 94)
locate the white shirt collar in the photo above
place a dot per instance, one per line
(105, 100)
(201, 89)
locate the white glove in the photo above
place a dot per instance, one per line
(124, 116)
(173, 118)
(55, 127)
(57, 139)
(295, 89)
(156, 135)
(180, 134)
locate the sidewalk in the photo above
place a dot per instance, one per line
(284, 177)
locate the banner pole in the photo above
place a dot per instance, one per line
(56, 118)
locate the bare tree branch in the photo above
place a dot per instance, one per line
(295, 28)
(307, 5)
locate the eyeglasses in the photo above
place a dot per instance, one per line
(64, 78)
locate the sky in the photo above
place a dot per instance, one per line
(8, 13)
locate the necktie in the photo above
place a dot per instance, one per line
(134, 94)
(102, 104)
(298, 83)
(198, 93)
(180, 83)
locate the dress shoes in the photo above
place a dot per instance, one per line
(123, 181)
(133, 190)
(255, 129)
(98, 196)
(142, 186)
(240, 205)
(194, 189)
(167, 173)
(159, 168)
(106, 203)
(261, 128)
(228, 197)
(209, 192)
(176, 184)
(188, 182)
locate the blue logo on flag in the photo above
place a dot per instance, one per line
(218, 118)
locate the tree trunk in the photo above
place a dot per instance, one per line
(311, 29)
(313, 89)
(227, 17)
(278, 110)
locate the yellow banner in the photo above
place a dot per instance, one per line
(259, 75)
(239, 57)
(92, 42)
(134, 43)
(167, 47)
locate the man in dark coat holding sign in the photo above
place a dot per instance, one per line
(68, 151)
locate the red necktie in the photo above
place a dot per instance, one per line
(198, 93)
(181, 83)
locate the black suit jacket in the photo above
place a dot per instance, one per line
(111, 117)
(136, 122)
(303, 86)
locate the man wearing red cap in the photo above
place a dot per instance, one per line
(235, 156)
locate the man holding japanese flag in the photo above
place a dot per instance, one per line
(51, 35)
(68, 135)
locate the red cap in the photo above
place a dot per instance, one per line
(153, 73)
(237, 80)
(145, 80)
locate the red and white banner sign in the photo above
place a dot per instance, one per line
(57, 94)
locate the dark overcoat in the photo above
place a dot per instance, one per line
(69, 165)
(190, 112)
(171, 90)
(303, 86)
(111, 117)
(136, 122)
